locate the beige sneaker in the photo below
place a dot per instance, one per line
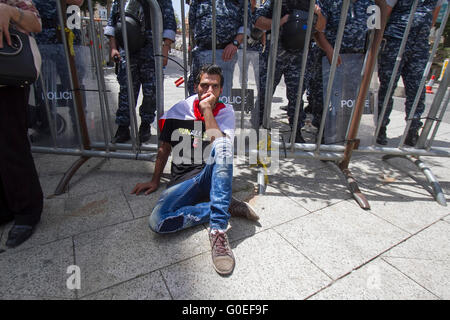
(242, 209)
(222, 256)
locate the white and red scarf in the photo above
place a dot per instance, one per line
(189, 110)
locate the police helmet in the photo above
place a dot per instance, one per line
(135, 24)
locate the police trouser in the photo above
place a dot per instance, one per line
(20, 192)
(289, 64)
(142, 67)
(411, 69)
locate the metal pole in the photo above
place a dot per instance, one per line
(438, 122)
(183, 26)
(302, 74)
(213, 36)
(440, 94)
(275, 31)
(82, 134)
(157, 30)
(432, 113)
(131, 99)
(244, 65)
(100, 79)
(337, 49)
(48, 111)
(396, 67)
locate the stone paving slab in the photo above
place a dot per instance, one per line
(259, 258)
(147, 287)
(407, 206)
(377, 280)
(122, 252)
(94, 211)
(47, 229)
(273, 208)
(312, 189)
(341, 237)
(39, 272)
(431, 274)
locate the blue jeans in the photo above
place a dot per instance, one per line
(180, 206)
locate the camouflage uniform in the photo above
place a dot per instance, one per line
(288, 63)
(414, 58)
(54, 61)
(229, 23)
(142, 66)
(353, 41)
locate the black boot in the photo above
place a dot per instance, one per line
(144, 132)
(412, 137)
(299, 138)
(382, 137)
(122, 135)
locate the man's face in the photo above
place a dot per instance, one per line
(209, 83)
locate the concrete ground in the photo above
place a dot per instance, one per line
(313, 241)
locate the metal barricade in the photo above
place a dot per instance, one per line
(336, 153)
(86, 148)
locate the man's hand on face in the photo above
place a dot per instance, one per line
(207, 102)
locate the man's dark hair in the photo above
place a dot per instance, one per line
(210, 69)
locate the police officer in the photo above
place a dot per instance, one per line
(288, 61)
(413, 61)
(142, 64)
(54, 63)
(255, 45)
(353, 41)
(229, 36)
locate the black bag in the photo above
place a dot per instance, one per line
(20, 63)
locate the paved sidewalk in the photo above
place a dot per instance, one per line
(312, 241)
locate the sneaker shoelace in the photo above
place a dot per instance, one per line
(220, 244)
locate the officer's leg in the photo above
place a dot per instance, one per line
(416, 54)
(258, 111)
(388, 56)
(147, 78)
(292, 70)
(123, 111)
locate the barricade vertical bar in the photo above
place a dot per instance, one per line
(440, 94)
(356, 119)
(438, 123)
(396, 67)
(213, 36)
(302, 74)
(131, 99)
(82, 133)
(424, 78)
(366, 57)
(337, 49)
(100, 78)
(244, 64)
(47, 110)
(157, 30)
(183, 27)
(275, 31)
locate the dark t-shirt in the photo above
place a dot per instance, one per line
(189, 142)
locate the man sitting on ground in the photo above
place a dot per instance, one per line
(203, 123)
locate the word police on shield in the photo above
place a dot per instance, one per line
(236, 99)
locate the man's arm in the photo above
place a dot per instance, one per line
(161, 161)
